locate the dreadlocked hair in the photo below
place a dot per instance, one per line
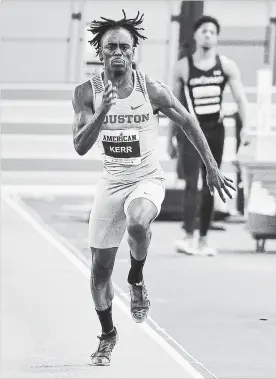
(99, 28)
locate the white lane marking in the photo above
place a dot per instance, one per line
(166, 334)
(49, 236)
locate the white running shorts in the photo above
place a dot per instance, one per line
(107, 222)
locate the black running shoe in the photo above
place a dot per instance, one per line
(102, 356)
(139, 304)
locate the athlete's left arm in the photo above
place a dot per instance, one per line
(235, 83)
(162, 98)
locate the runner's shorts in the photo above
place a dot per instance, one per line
(107, 222)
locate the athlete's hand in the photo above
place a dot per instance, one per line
(221, 115)
(245, 137)
(172, 150)
(109, 96)
(215, 179)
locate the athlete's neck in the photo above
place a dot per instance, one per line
(119, 80)
(201, 54)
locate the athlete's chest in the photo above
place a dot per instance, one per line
(122, 131)
(135, 112)
(214, 76)
(124, 92)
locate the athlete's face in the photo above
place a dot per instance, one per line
(206, 36)
(117, 50)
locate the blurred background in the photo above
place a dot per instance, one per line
(222, 310)
(45, 53)
(45, 41)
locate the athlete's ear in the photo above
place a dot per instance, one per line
(101, 54)
(133, 53)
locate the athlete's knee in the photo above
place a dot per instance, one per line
(102, 266)
(190, 186)
(137, 228)
(191, 182)
(207, 198)
(205, 189)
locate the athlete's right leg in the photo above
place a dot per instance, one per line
(190, 162)
(106, 229)
(100, 283)
(102, 294)
(190, 200)
(216, 142)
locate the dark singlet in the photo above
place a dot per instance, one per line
(203, 92)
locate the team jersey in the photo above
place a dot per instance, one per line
(203, 92)
(128, 137)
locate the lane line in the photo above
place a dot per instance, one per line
(80, 265)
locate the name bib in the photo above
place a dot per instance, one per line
(122, 146)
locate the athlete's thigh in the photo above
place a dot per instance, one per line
(144, 202)
(107, 220)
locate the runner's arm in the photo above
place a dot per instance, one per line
(162, 98)
(235, 83)
(87, 124)
(172, 128)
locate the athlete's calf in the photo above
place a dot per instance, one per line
(140, 213)
(101, 271)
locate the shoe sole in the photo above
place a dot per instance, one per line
(195, 254)
(139, 321)
(104, 364)
(181, 251)
(100, 364)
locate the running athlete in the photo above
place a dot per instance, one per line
(200, 80)
(118, 108)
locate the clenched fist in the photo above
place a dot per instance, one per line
(109, 96)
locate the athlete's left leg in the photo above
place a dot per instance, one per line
(216, 142)
(142, 207)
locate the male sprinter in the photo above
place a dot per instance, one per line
(200, 80)
(118, 108)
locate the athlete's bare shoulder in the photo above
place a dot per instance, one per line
(82, 102)
(160, 94)
(82, 97)
(229, 66)
(181, 69)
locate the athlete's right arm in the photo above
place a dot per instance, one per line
(179, 74)
(162, 98)
(87, 124)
